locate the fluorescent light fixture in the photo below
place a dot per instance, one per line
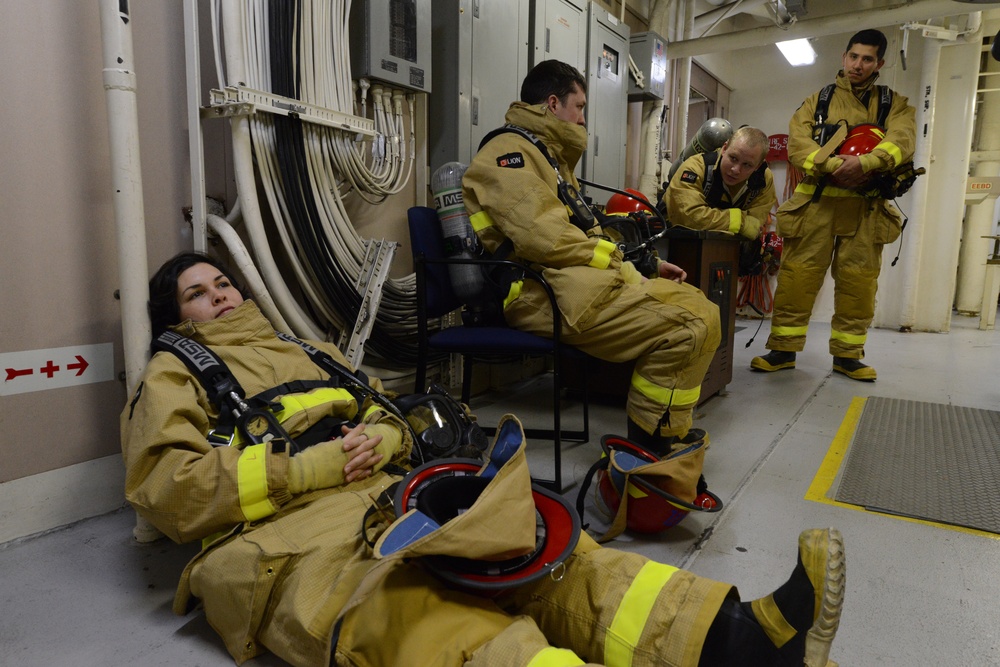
(798, 52)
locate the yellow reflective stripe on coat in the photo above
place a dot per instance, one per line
(602, 254)
(735, 220)
(664, 395)
(828, 190)
(853, 339)
(251, 477)
(892, 149)
(555, 657)
(292, 404)
(789, 331)
(480, 221)
(513, 293)
(633, 612)
(808, 165)
(372, 409)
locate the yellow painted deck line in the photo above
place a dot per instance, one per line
(819, 489)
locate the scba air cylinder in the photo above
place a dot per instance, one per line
(459, 238)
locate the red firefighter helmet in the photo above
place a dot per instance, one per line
(861, 139)
(619, 204)
(443, 489)
(650, 509)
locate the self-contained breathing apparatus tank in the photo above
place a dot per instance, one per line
(710, 136)
(459, 238)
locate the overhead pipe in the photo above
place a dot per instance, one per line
(899, 12)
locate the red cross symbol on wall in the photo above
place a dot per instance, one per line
(49, 369)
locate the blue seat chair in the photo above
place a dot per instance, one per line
(436, 298)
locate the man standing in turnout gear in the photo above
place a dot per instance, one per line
(832, 219)
(729, 191)
(609, 310)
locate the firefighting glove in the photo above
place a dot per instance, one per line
(318, 467)
(750, 227)
(322, 466)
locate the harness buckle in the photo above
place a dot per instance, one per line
(220, 439)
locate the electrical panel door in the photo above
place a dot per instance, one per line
(559, 32)
(480, 58)
(607, 102)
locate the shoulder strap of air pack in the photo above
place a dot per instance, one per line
(823, 104)
(223, 388)
(516, 129)
(711, 189)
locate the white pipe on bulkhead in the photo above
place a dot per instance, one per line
(126, 183)
(196, 143)
(913, 234)
(246, 186)
(979, 220)
(685, 26)
(941, 217)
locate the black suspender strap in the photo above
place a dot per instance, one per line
(352, 381)
(257, 425)
(221, 385)
(884, 104)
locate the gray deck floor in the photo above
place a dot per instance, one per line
(918, 594)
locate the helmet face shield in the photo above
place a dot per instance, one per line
(442, 426)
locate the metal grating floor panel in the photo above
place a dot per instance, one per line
(926, 460)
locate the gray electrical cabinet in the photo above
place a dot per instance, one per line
(649, 51)
(391, 42)
(607, 101)
(480, 58)
(559, 32)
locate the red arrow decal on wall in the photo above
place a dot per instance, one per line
(13, 373)
(81, 363)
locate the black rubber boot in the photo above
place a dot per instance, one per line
(775, 360)
(854, 369)
(662, 445)
(795, 624)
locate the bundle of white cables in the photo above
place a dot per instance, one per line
(305, 169)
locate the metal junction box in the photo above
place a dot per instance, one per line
(391, 42)
(649, 51)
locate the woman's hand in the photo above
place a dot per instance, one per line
(361, 455)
